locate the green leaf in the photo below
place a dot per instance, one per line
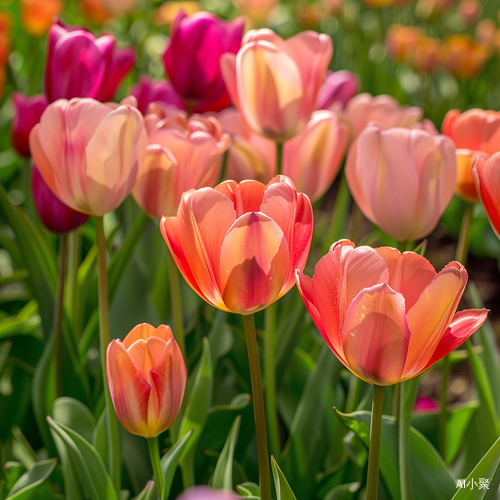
(170, 460)
(28, 483)
(75, 415)
(342, 491)
(220, 337)
(25, 322)
(248, 490)
(147, 493)
(12, 471)
(487, 468)
(223, 474)
(283, 490)
(90, 467)
(5, 348)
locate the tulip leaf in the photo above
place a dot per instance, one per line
(12, 471)
(283, 490)
(430, 478)
(27, 485)
(223, 474)
(170, 460)
(487, 469)
(25, 322)
(342, 491)
(90, 468)
(75, 415)
(147, 493)
(248, 490)
(220, 337)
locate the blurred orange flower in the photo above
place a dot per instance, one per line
(37, 15)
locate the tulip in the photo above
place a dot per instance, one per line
(465, 187)
(424, 404)
(146, 378)
(313, 158)
(337, 89)
(275, 83)
(383, 110)
(27, 113)
(192, 58)
(182, 154)
(37, 15)
(485, 31)
(55, 215)
(469, 11)
(167, 11)
(5, 37)
(94, 11)
(79, 65)
(89, 153)
(147, 91)
(425, 57)
(401, 41)
(256, 10)
(387, 316)
(238, 244)
(402, 179)
(205, 493)
(121, 6)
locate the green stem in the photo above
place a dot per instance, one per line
(464, 237)
(154, 454)
(374, 451)
(187, 476)
(175, 296)
(74, 249)
(443, 413)
(397, 402)
(258, 408)
(58, 313)
(223, 170)
(104, 340)
(355, 387)
(279, 158)
(270, 376)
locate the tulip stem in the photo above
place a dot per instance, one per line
(58, 312)
(270, 375)
(175, 297)
(74, 249)
(464, 237)
(104, 340)
(443, 413)
(154, 454)
(258, 408)
(374, 451)
(397, 402)
(279, 158)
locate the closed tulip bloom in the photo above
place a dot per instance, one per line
(148, 91)
(237, 245)
(122, 61)
(192, 58)
(275, 83)
(383, 110)
(313, 158)
(465, 187)
(27, 113)
(387, 316)
(402, 179)
(182, 154)
(89, 153)
(146, 377)
(337, 89)
(55, 215)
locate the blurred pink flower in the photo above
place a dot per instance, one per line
(148, 91)
(337, 89)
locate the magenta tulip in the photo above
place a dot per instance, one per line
(148, 91)
(337, 89)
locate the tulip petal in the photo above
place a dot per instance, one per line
(246, 196)
(376, 335)
(144, 331)
(254, 263)
(228, 69)
(303, 229)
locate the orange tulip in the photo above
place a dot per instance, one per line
(182, 154)
(37, 15)
(401, 41)
(89, 153)
(146, 377)
(237, 245)
(274, 83)
(387, 316)
(465, 187)
(5, 37)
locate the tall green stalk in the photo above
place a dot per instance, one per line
(104, 340)
(154, 454)
(258, 408)
(58, 312)
(374, 451)
(175, 297)
(279, 158)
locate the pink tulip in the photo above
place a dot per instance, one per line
(147, 378)
(79, 65)
(251, 156)
(192, 58)
(383, 110)
(147, 91)
(424, 404)
(27, 113)
(183, 154)
(387, 316)
(205, 493)
(337, 89)
(313, 158)
(237, 245)
(89, 153)
(55, 215)
(275, 83)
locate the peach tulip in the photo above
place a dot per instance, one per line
(89, 153)
(313, 158)
(146, 377)
(275, 83)
(387, 316)
(237, 245)
(182, 154)
(383, 110)
(402, 179)
(465, 187)
(37, 15)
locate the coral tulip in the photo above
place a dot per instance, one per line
(387, 316)
(147, 91)
(79, 65)
(465, 187)
(27, 113)
(238, 244)
(313, 158)
(402, 179)
(182, 154)
(146, 377)
(55, 215)
(89, 153)
(37, 15)
(337, 89)
(275, 83)
(192, 58)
